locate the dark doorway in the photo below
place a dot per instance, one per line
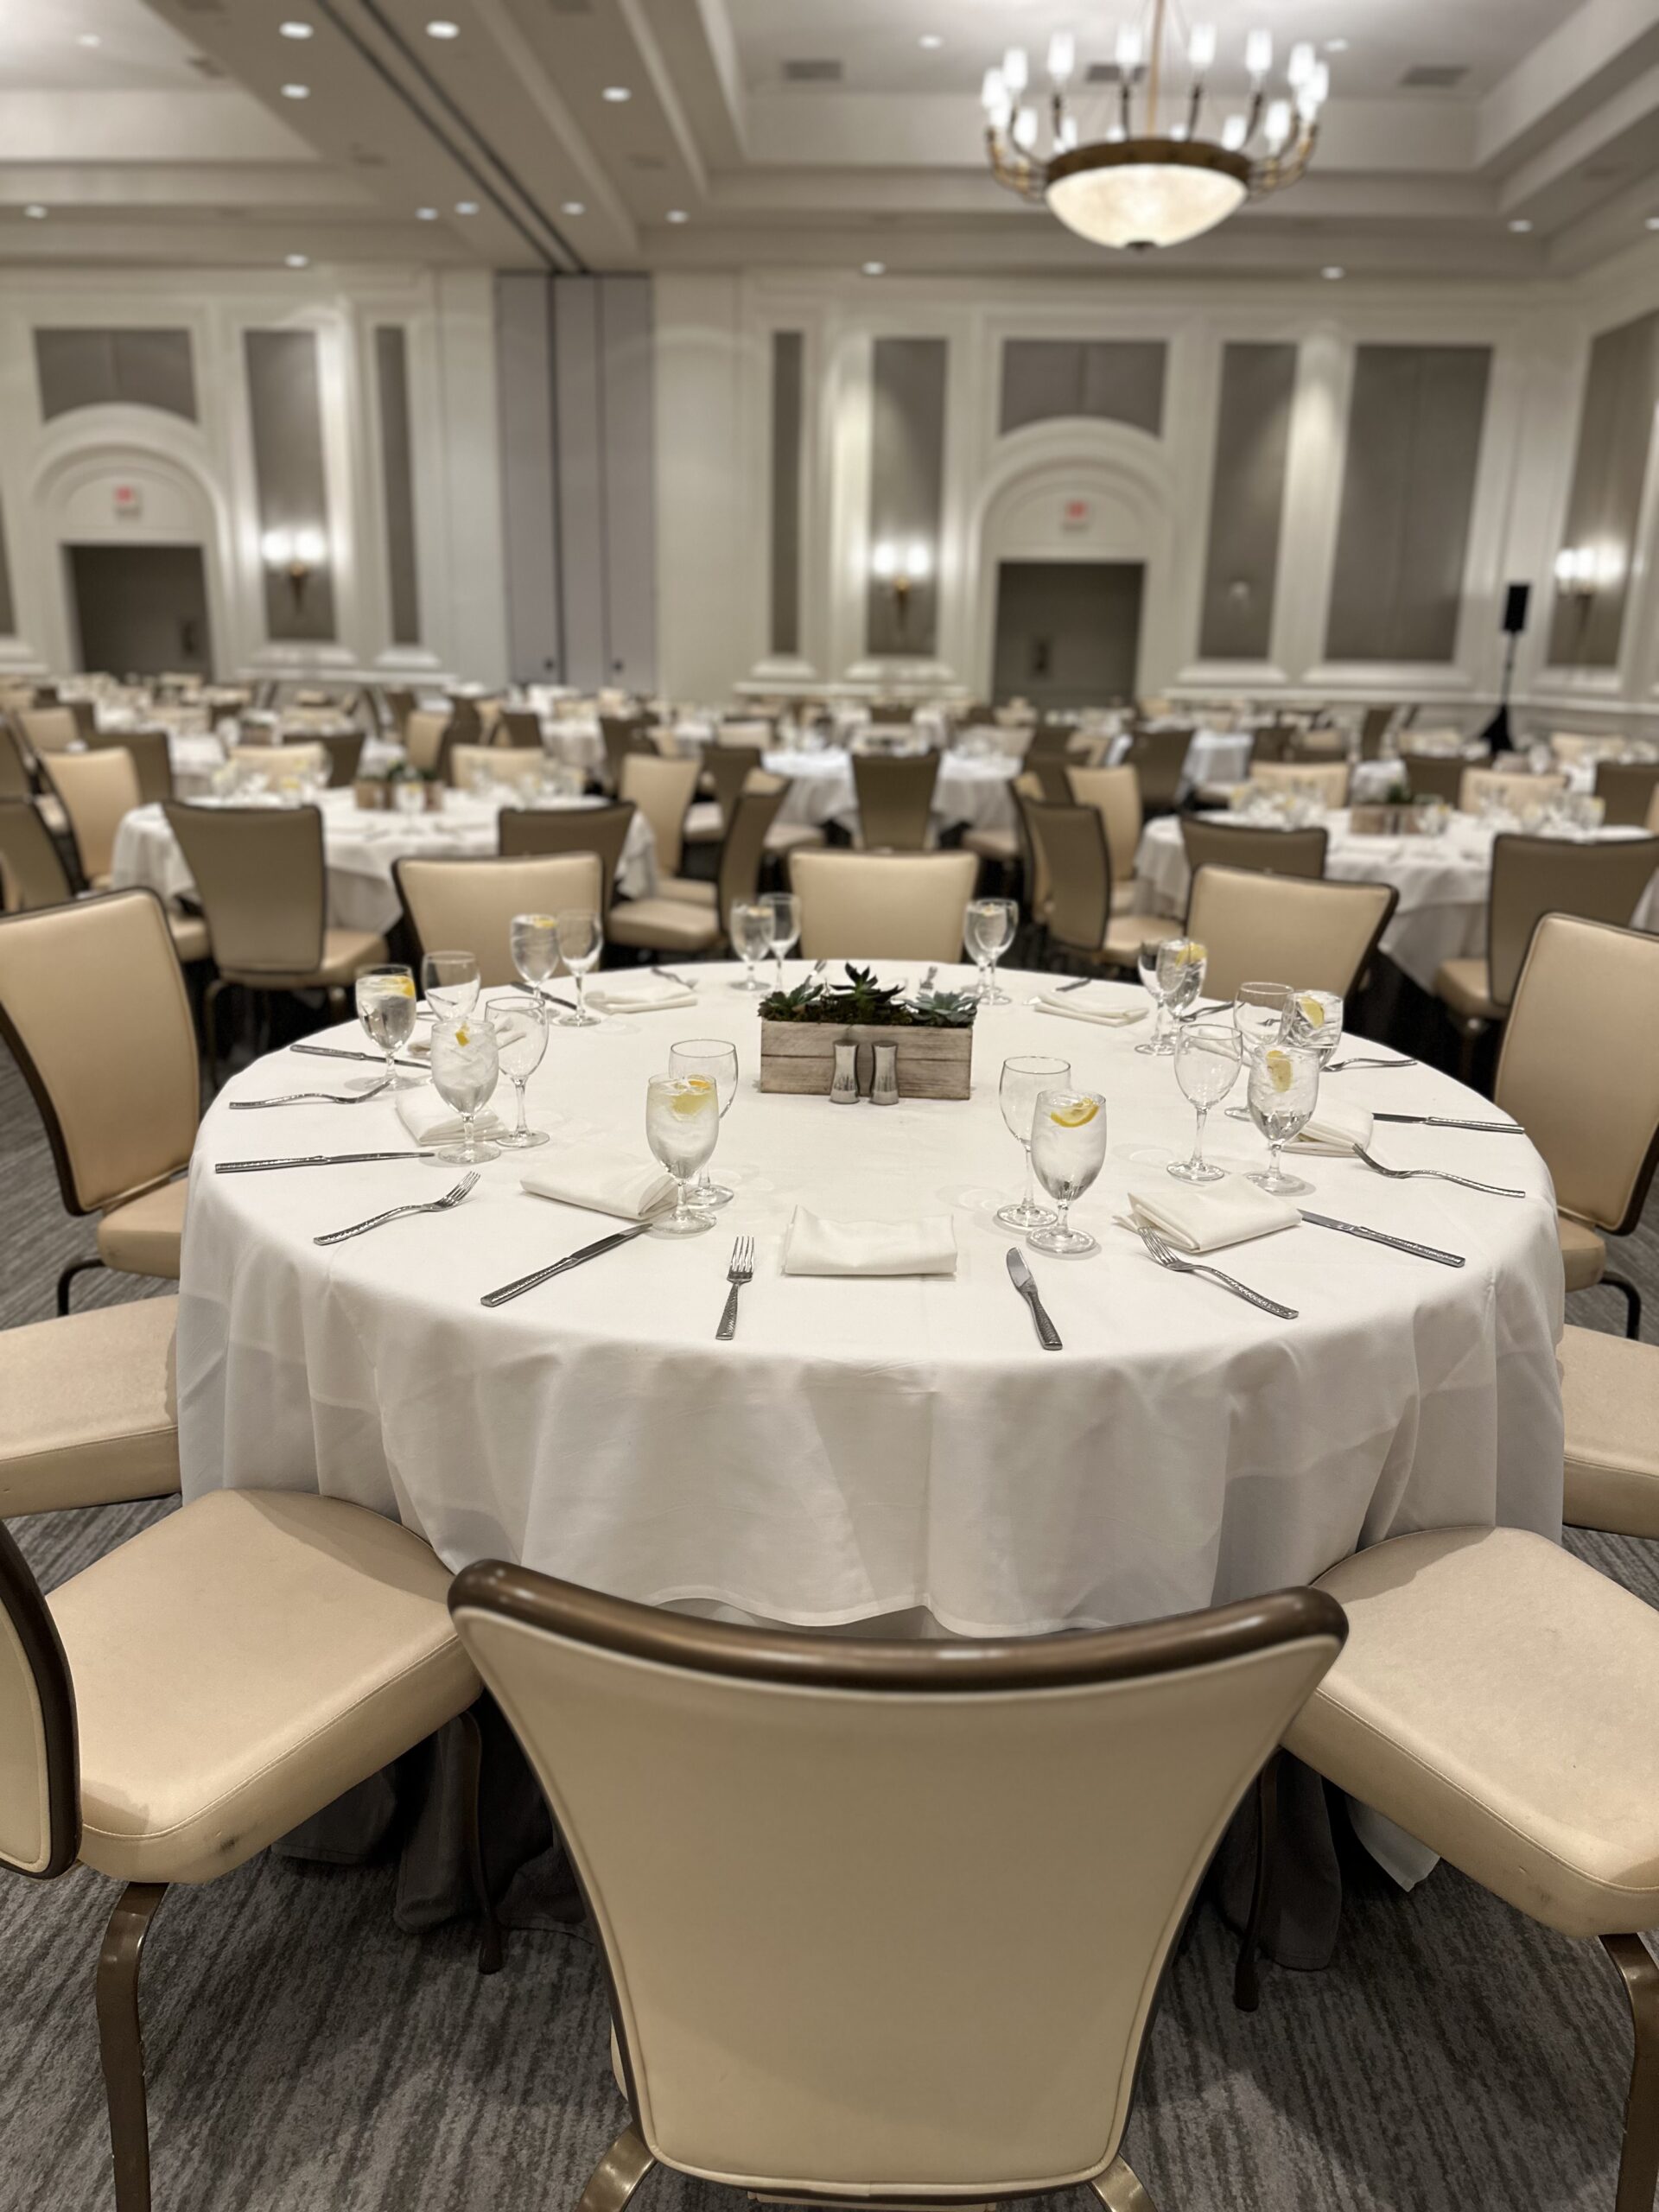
(1067, 632)
(141, 610)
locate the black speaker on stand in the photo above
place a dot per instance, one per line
(1496, 732)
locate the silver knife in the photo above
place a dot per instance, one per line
(311, 1160)
(376, 1059)
(573, 1259)
(1020, 1274)
(1376, 1237)
(1439, 1122)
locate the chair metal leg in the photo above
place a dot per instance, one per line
(80, 1267)
(472, 1761)
(1632, 1304)
(1247, 1987)
(621, 2172)
(1638, 2165)
(121, 2041)
(1120, 2188)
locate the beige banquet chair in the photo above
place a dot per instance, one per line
(426, 733)
(1627, 789)
(1072, 865)
(152, 757)
(92, 1005)
(518, 728)
(1506, 788)
(49, 729)
(663, 791)
(1250, 845)
(1609, 1397)
(88, 1410)
(1158, 759)
(96, 791)
(16, 779)
(32, 870)
(1278, 929)
(1582, 1077)
(882, 906)
(498, 763)
(689, 915)
(1115, 795)
(1329, 779)
(600, 830)
(1434, 775)
(468, 905)
(895, 801)
(927, 1974)
(1008, 848)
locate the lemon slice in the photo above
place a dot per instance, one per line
(463, 1037)
(398, 987)
(1312, 1012)
(1078, 1116)
(1280, 1068)
(1191, 954)
(695, 1096)
(541, 921)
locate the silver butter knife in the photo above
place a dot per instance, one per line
(509, 1290)
(375, 1059)
(1020, 1274)
(1376, 1237)
(311, 1160)
(1441, 1121)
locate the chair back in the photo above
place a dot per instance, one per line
(16, 781)
(1535, 876)
(1627, 789)
(503, 763)
(275, 762)
(895, 800)
(399, 705)
(1279, 928)
(755, 735)
(1115, 795)
(1479, 785)
(93, 1005)
(1275, 742)
(1580, 1072)
(600, 830)
(49, 729)
(1071, 856)
(1269, 852)
(424, 731)
(663, 791)
(152, 759)
(96, 791)
(1323, 744)
(258, 872)
(1158, 758)
(40, 1765)
(518, 728)
(1434, 775)
(468, 905)
(1053, 776)
(1570, 745)
(727, 768)
(344, 748)
(744, 846)
(623, 736)
(882, 906)
(1373, 728)
(1328, 778)
(931, 1967)
(1048, 741)
(32, 873)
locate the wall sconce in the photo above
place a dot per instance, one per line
(901, 568)
(1575, 571)
(297, 553)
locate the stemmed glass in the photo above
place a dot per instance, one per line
(1284, 1089)
(1206, 1067)
(1171, 968)
(784, 928)
(449, 980)
(520, 1024)
(1315, 1019)
(1017, 1093)
(1068, 1147)
(581, 938)
(751, 935)
(533, 940)
(709, 1059)
(1261, 1012)
(987, 931)
(681, 1122)
(466, 1068)
(385, 1006)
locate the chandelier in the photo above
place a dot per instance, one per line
(1139, 184)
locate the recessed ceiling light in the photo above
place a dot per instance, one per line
(87, 38)
(465, 206)
(296, 91)
(296, 260)
(876, 268)
(1333, 273)
(1520, 223)
(426, 214)
(617, 93)
(34, 212)
(296, 30)
(1336, 46)
(678, 215)
(442, 27)
(930, 41)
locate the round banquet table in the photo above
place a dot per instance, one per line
(1215, 756)
(360, 845)
(973, 791)
(1443, 883)
(865, 1447)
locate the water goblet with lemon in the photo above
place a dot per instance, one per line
(1180, 974)
(1315, 1019)
(682, 1124)
(466, 1068)
(1068, 1147)
(708, 1060)
(384, 998)
(1283, 1091)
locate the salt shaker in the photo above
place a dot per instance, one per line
(843, 1090)
(884, 1087)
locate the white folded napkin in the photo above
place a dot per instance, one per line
(604, 1182)
(428, 1121)
(650, 995)
(1115, 1017)
(1205, 1217)
(813, 1246)
(1335, 1127)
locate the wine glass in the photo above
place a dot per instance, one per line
(1146, 966)
(466, 1068)
(1259, 1013)
(1181, 964)
(580, 935)
(520, 1025)
(386, 1006)
(1023, 1080)
(409, 795)
(1314, 1018)
(785, 926)
(449, 980)
(709, 1059)
(533, 940)
(751, 935)
(1284, 1089)
(1068, 1147)
(1206, 1067)
(987, 931)
(681, 1122)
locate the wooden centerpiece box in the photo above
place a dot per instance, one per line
(374, 793)
(800, 1030)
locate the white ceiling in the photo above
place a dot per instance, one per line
(170, 140)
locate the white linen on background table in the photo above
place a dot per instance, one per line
(1215, 756)
(972, 792)
(864, 1447)
(1374, 781)
(360, 845)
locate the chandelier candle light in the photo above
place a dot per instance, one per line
(1153, 181)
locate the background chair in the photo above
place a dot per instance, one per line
(16, 779)
(1434, 775)
(469, 904)
(49, 729)
(882, 906)
(306, 757)
(895, 801)
(344, 749)
(960, 2012)
(152, 760)
(1609, 1397)
(600, 830)
(1328, 778)
(624, 738)
(1115, 793)
(1158, 759)
(689, 915)
(519, 728)
(1073, 865)
(1627, 789)
(96, 791)
(32, 871)
(92, 1005)
(88, 1412)
(1242, 845)
(663, 791)
(502, 764)
(1481, 785)
(1277, 928)
(425, 733)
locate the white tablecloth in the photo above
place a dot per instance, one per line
(359, 847)
(578, 741)
(868, 1445)
(1443, 883)
(973, 793)
(1374, 781)
(1215, 756)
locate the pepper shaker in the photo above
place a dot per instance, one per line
(884, 1087)
(843, 1090)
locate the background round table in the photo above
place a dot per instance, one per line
(868, 1446)
(973, 791)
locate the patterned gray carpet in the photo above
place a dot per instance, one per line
(1454, 2058)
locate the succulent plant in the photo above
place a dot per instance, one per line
(870, 1005)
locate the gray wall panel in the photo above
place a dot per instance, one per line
(906, 483)
(1247, 501)
(1116, 380)
(787, 397)
(398, 477)
(1408, 483)
(530, 506)
(1603, 507)
(583, 567)
(8, 612)
(98, 368)
(285, 411)
(627, 414)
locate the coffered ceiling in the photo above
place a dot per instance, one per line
(1463, 138)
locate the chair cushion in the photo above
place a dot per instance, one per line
(692, 891)
(1124, 896)
(1583, 1254)
(673, 925)
(239, 1664)
(1127, 933)
(1609, 1390)
(993, 844)
(1467, 986)
(344, 952)
(1495, 1698)
(703, 823)
(87, 1415)
(142, 1236)
(190, 938)
(793, 837)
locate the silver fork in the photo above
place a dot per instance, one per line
(926, 983)
(378, 1221)
(1336, 1067)
(307, 1098)
(740, 1271)
(1434, 1175)
(668, 976)
(1176, 1265)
